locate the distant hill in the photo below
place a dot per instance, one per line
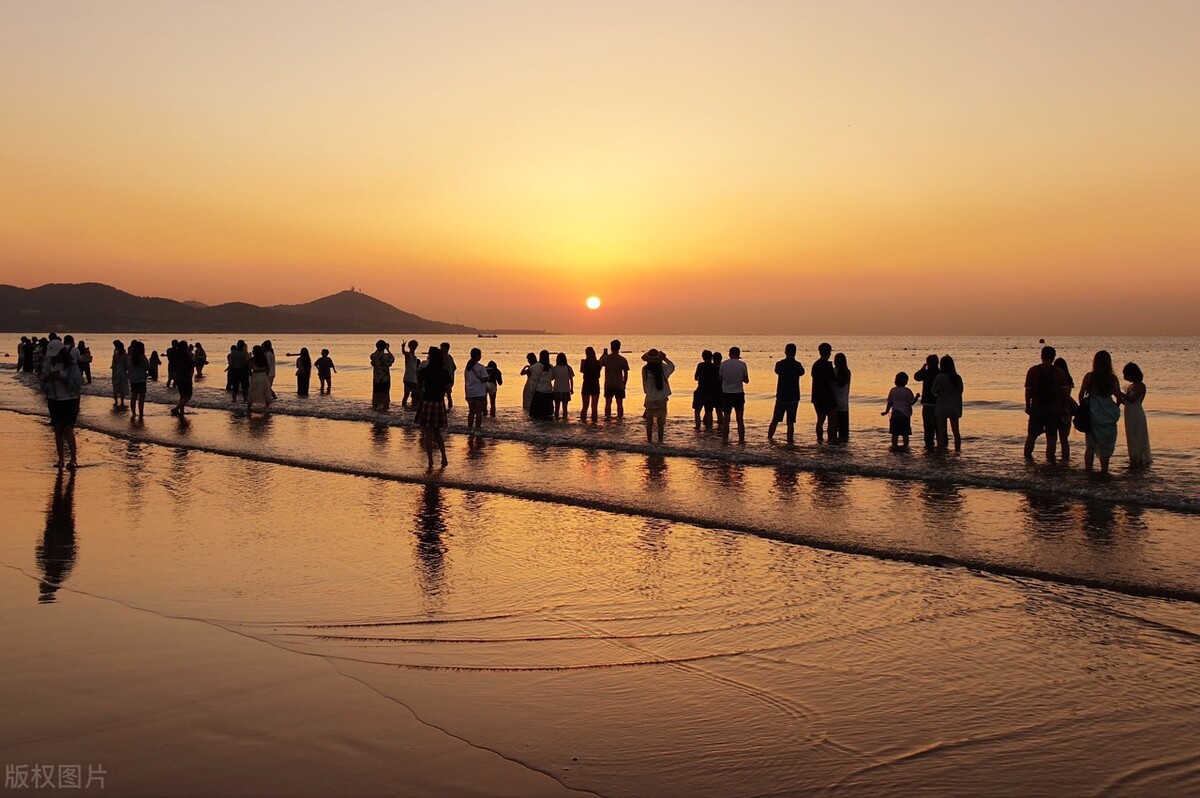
(95, 307)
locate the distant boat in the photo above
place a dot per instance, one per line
(488, 335)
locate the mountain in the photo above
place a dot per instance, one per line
(95, 307)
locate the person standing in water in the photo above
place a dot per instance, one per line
(949, 408)
(63, 383)
(139, 372)
(823, 392)
(542, 404)
(381, 377)
(1137, 436)
(1102, 391)
(530, 381)
(325, 371)
(451, 368)
(589, 370)
(841, 396)
(120, 374)
(707, 395)
(431, 410)
(303, 371)
(1046, 390)
(734, 375)
(85, 362)
(616, 377)
(412, 365)
(259, 376)
(656, 375)
(564, 385)
(184, 367)
(269, 351)
(475, 381)
(1067, 418)
(155, 365)
(900, 403)
(787, 393)
(926, 375)
(495, 380)
(201, 360)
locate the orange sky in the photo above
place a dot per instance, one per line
(758, 167)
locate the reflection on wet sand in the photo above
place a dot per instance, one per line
(56, 553)
(654, 471)
(430, 530)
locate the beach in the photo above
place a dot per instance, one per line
(293, 605)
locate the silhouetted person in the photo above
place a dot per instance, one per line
(200, 360)
(530, 381)
(451, 369)
(431, 410)
(475, 381)
(949, 408)
(495, 380)
(304, 367)
(259, 391)
(120, 374)
(183, 377)
(590, 370)
(239, 370)
(900, 403)
(412, 365)
(734, 376)
(381, 377)
(155, 365)
(85, 362)
(823, 390)
(841, 397)
(1046, 389)
(707, 395)
(1137, 435)
(62, 382)
(325, 371)
(541, 406)
(139, 373)
(564, 385)
(616, 377)
(926, 376)
(1102, 391)
(656, 375)
(787, 393)
(56, 554)
(1068, 410)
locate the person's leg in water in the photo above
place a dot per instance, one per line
(620, 408)
(441, 444)
(821, 416)
(607, 406)
(741, 422)
(943, 437)
(427, 439)
(957, 435)
(662, 425)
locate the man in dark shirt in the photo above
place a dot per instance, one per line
(926, 375)
(1045, 388)
(703, 398)
(823, 398)
(787, 393)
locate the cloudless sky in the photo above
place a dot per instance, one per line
(756, 166)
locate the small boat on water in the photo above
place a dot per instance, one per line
(488, 335)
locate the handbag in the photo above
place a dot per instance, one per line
(1082, 419)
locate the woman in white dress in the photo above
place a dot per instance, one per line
(1137, 437)
(260, 381)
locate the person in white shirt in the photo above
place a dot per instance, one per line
(656, 375)
(734, 375)
(475, 382)
(564, 385)
(900, 403)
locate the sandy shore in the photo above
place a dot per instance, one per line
(198, 624)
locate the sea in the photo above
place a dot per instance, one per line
(726, 604)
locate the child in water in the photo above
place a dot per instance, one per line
(325, 371)
(495, 379)
(900, 403)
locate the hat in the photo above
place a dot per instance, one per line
(653, 356)
(53, 348)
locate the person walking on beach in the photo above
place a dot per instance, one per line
(259, 376)
(63, 383)
(1102, 391)
(707, 395)
(326, 370)
(381, 377)
(1067, 417)
(900, 403)
(475, 380)
(616, 377)
(451, 367)
(139, 372)
(734, 375)
(431, 409)
(787, 393)
(841, 397)
(564, 385)
(656, 375)
(949, 389)
(589, 370)
(1046, 390)
(823, 393)
(120, 374)
(412, 365)
(184, 367)
(1137, 436)
(201, 360)
(925, 376)
(239, 370)
(541, 406)
(495, 380)
(85, 362)
(530, 381)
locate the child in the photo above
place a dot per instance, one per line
(325, 371)
(495, 379)
(900, 403)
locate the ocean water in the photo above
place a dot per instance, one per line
(693, 618)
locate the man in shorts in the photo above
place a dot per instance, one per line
(787, 393)
(616, 375)
(381, 377)
(708, 389)
(734, 375)
(475, 381)
(1045, 390)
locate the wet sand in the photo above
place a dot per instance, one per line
(201, 623)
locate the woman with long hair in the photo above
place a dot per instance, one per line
(139, 372)
(259, 392)
(1137, 436)
(656, 375)
(589, 369)
(542, 403)
(530, 380)
(1068, 410)
(304, 366)
(564, 385)
(185, 367)
(120, 374)
(841, 395)
(1102, 391)
(948, 387)
(433, 380)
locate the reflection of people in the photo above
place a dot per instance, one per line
(56, 554)
(431, 548)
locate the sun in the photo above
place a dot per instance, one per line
(593, 302)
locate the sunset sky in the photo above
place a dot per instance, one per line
(738, 166)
